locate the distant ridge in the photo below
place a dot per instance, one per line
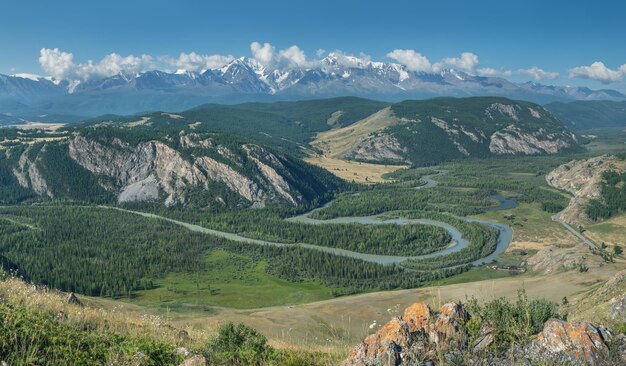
(245, 80)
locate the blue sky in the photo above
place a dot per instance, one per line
(554, 36)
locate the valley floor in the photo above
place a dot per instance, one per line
(335, 325)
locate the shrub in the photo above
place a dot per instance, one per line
(35, 338)
(238, 345)
(513, 322)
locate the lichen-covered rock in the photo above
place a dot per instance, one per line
(383, 347)
(449, 329)
(417, 338)
(575, 342)
(413, 337)
(417, 316)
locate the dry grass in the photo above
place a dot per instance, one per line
(612, 231)
(140, 122)
(51, 127)
(352, 170)
(194, 125)
(337, 325)
(338, 142)
(533, 228)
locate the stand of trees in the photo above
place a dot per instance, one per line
(102, 252)
(613, 201)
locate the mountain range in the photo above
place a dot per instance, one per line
(37, 98)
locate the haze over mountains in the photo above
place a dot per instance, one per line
(244, 79)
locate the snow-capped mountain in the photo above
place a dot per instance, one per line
(246, 79)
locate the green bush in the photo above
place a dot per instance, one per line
(513, 322)
(238, 345)
(34, 338)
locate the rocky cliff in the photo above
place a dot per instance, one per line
(201, 170)
(582, 178)
(432, 131)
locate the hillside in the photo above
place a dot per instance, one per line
(584, 179)
(283, 125)
(431, 131)
(589, 115)
(188, 169)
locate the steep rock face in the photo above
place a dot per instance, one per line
(29, 176)
(512, 140)
(582, 179)
(203, 170)
(128, 165)
(379, 147)
(278, 183)
(234, 180)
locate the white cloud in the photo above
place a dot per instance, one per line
(264, 53)
(293, 56)
(467, 62)
(413, 61)
(598, 71)
(320, 52)
(267, 56)
(538, 74)
(56, 63)
(61, 66)
(488, 71)
(196, 62)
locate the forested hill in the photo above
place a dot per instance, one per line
(282, 125)
(588, 115)
(111, 164)
(431, 131)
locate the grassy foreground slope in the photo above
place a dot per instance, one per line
(39, 327)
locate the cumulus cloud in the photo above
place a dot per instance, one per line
(413, 61)
(196, 62)
(598, 71)
(264, 53)
(488, 71)
(61, 66)
(290, 57)
(467, 62)
(56, 63)
(538, 74)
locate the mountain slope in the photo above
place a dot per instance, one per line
(436, 130)
(588, 115)
(200, 170)
(245, 79)
(285, 125)
(584, 179)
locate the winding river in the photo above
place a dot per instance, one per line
(458, 242)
